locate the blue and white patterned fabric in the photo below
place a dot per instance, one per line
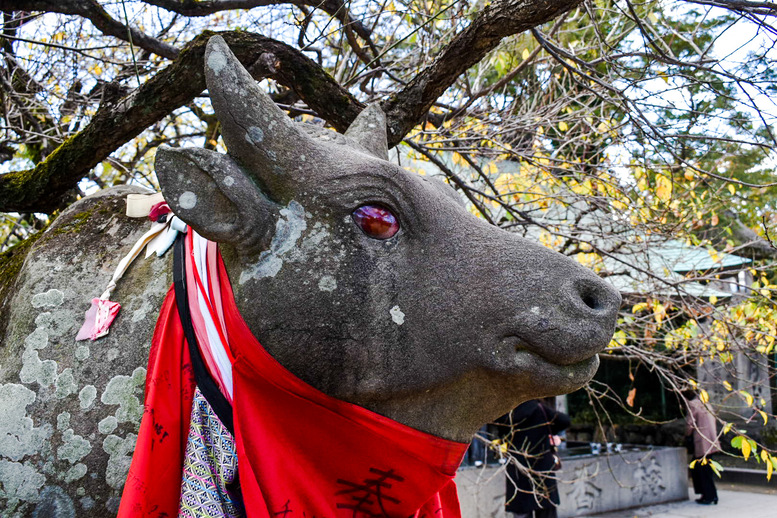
(210, 466)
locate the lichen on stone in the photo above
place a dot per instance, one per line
(120, 456)
(51, 298)
(76, 472)
(19, 482)
(82, 352)
(50, 385)
(121, 391)
(63, 421)
(65, 384)
(18, 435)
(86, 396)
(35, 370)
(74, 448)
(108, 425)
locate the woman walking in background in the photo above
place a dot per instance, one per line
(700, 424)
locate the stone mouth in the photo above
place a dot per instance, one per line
(521, 345)
(568, 376)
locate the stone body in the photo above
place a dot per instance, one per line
(445, 326)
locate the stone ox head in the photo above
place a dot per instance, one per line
(443, 325)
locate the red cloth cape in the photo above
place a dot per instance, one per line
(301, 453)
(153, 484)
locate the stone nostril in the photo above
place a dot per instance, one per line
(590, 300)
(595, 295)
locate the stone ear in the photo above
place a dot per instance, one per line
(258, 134)
(210, 192)
(369, 131)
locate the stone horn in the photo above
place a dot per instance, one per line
(258, 134)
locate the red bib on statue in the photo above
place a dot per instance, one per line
(304, 454)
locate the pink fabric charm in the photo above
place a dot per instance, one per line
(98, 319)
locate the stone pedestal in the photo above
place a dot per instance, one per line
(588, 484)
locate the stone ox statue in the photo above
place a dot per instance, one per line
(443, 326)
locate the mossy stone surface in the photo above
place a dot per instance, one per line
(54, 392)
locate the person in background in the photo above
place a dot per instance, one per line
(700, 424)
(531, 431)
(477, 454)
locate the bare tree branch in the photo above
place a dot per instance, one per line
(41, 189)
(99, 17)
(761, 8)
(335, 8)
(501, 19)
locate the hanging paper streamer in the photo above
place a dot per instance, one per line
(164, 229)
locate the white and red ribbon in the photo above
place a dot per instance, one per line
(164, 228)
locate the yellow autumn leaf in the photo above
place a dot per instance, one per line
(769, 470)
(727, 385)
(747, 396)
(704, 396)
(563, 126)
(639, 307)
(732, 189)
(663, 188)
(746, 449)
(713, 299)
(492, 168)
(727, 428)
(763, 416)
(658, 312)
(688, 175)
(618, 339)
(715, 220)
(525, 54)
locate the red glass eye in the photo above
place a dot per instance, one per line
(376, 221)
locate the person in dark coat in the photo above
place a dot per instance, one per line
(528, 431)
